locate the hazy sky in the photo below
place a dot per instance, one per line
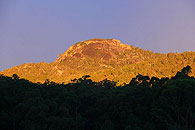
(38, 30)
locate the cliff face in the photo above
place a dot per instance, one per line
(105, 58)
(103, 49)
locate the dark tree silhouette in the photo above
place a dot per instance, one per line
(143, 104)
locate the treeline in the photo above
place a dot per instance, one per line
(143, 104)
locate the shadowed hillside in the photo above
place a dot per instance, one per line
(143, 104)
(105, 58)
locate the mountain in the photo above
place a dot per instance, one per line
(105, 58)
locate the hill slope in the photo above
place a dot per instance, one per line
(105, 58)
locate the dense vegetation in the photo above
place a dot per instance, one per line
(143, 104)
(105, 58)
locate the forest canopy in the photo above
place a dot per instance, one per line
(145, 103)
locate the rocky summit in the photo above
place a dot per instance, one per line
(103, 49)
(104, 59)
(103, 53)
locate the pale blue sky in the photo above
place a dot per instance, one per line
(38, 30)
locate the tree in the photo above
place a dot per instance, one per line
(108, 125)
(184, 73)
(15, 76)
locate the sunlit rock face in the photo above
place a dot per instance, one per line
(103, 49)
(101, 53)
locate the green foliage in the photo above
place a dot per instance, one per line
(143, 104)
(108, 125)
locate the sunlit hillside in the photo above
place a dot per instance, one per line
(105, 59)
